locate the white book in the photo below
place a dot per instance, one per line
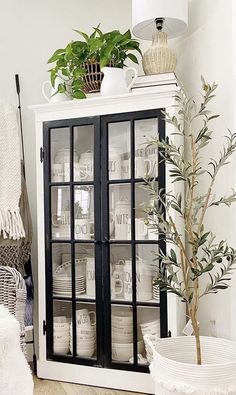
(155, 79)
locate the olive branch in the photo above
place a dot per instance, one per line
(198, 255)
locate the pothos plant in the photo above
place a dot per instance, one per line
(197, 254)
(111, 48)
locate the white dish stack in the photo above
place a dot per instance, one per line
(122, 337)
(62, 285)
(61, 335)
(85, 332)
(62, 281)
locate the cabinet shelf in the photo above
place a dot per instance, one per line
(130, 181)
(72, 183)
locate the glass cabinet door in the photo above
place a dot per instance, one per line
(132, 298)
(72, 224)
(100, 245)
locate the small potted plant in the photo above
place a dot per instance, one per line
(195, 264)
(79, 64)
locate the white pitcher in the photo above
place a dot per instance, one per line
(114, 81)
(49, 94)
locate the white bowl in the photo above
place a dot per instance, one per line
(61, 326)
(123, 352)
(86, 344)
(60, 335)
(122, 339)
(85, 353)
(83, 338)
(59, 341)
(60, 319)
(122, 321)
(61, 350)
(122, 331)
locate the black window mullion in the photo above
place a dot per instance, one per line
(48, 245)
(162, 241)
(133, 248)
(97, 239)
(72, 227)
(105, 246)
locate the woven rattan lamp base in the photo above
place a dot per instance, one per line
(159, 58)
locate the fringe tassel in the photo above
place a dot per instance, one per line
(180, 388)
(167, 387)
(11, 225)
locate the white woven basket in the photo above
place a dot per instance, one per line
(175, 371)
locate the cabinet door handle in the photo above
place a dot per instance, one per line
(105, 241)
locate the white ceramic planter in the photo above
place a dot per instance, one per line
(174, 370)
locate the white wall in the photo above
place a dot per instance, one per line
(207, 49)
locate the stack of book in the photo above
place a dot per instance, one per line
(149, 82)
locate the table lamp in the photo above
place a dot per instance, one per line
(157, 19)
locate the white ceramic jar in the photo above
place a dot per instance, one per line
(114, 162)
(86, 166)
(122, 217)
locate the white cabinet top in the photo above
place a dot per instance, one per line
(144, 98)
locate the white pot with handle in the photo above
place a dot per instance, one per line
(114, 81)
(175, 371)
(49, 92)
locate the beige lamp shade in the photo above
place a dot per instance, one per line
(159, 58)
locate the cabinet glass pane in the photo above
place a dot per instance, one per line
(85, 269)
(61, 327)
(144, 229)
(61, 264)
(84, 212)
(85, 330)
(146, 272)
(120, 272)
(60, 154)
(119, 150)
(84, 147)
(145, 157)
(60, 212)
(148, 323)
(120, 212)
(122, 333)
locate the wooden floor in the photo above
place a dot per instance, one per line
(48, 387)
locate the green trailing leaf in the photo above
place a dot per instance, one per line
(133, 58)
(78, 94)
(56, 55)
(108, 49)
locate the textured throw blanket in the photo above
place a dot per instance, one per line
(16, 377)
(11, 225)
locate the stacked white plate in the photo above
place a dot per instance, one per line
(86, 340)
(156, 292)
(62, 285)
(122, 336)
(61, 335)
